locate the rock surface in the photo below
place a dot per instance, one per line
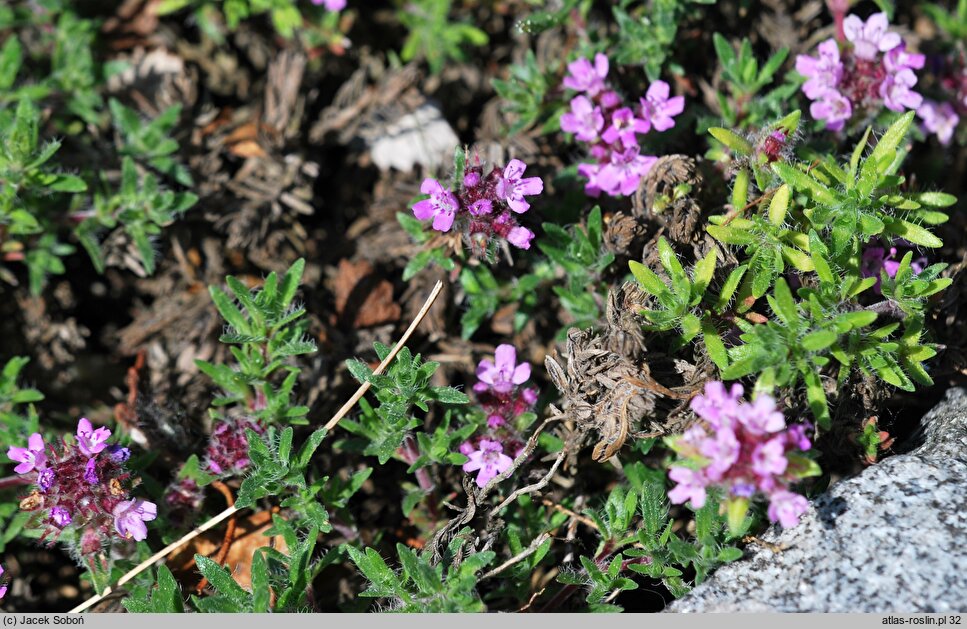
(892, 539)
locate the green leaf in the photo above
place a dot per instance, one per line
(821, 339)
(702, 276)
(816, 397)
(228, 310)
(914, 233)
(730, 235)
(670, 261)
(890, 141)
(728, 289)
(261, 592)
(740, 190)
(803, 182)
(779, 205)
(714, 345)
(222, 581)
(858, 152)
(783, 304)
(648, 280)
(730, 139)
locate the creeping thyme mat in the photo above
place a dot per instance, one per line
(449, 306)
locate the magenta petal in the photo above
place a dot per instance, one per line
(657, 91)
(486, 371)
(674, 106)
(521, 374)
(15, 453)
(889, 41)
(852, 27)
(515, 168)
(520, 237)
(423, 209)
(431, 186)
(518, 205)
(505, 357)
(443, 221)
(601, 65)
(36, 442)
(530, 186)
(24, 467)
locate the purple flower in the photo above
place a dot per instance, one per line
(823, 73)
(796, 437)
(481, 207)
(761, 417)
(871, 36)
(119, 454)
(899, 59)
(442, 206)
(769, 458)
(489, 459)
(722, 450)
(834, 108)
(331, 5)
(130, 516)
(60, 516)
(495, 421)
(657, 109)
(622, 174)
(91, 441)
(466, 448)
(624, 126)
(504, 373)
(691, 486)
(584, 77)
(513, 189)
(90, 472)
(584, 120)
(3, 588)
(30, 458)
(471, 179)
(610, 99)
(785, 507)
(45, 480)
(717, 405)
(940, 119)
(896, 91)
(520, 237)
(591, 172)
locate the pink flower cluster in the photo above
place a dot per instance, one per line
(502, 397)
(3, 586)
(599, 117)
(745, 448)
(874, 69)
(227, 451)
(485, 206)
(83, 484)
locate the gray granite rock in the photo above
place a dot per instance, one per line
(892, 539)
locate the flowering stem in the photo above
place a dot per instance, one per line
(230, 511)
(838, 8)
(410, 454)
(13, 481)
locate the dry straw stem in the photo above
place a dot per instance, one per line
(229, 512)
